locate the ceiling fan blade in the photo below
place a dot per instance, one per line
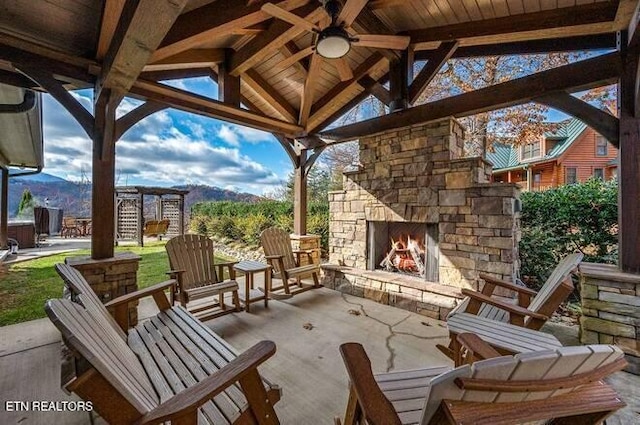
(350, 11)
(396, 42)
(285, 15)
(296, 57)
(343, 68)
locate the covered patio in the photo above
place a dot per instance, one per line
(274, 74)
(307, 331)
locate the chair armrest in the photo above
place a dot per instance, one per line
(229, 265)
(369, 398)
(507, 285)
(476, 347)
(154, 290)
(187, 401)
(273, 257)
(175, 274)
(511, 308)
(226, 263)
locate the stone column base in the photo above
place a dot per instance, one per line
(111, 277)
(611, 310)
(307, 242)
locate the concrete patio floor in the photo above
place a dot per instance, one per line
(307, 330)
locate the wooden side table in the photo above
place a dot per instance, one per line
(249, 268)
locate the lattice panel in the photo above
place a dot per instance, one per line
(171, 211)
(127, 224)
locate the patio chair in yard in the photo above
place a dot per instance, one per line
(565, 385)
(479, 312)
(169, 368)
(192, 265)
(276, 244)
(69, 227)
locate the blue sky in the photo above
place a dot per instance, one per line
(170, 148)
(173, 147)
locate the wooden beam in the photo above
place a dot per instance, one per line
(175, 74)
(103, 176)
(436, 61)
(350, 11)
(205, 106)
(338, 92)
(376, 89)
(278, 34)
(214, 20)
(59, 93)
(399, 82)
(577, 76)
(142, 26)
(295, 57)
(270, 95)
(633, 34)
(309, 90)
(550, 20)
(287, 145)
(629, 169)
(194, 58)
(300, 194)
(131, 118)
(77, 75)
(364, 82)
(110, 16)
(228, 85)
(564, 44)
(605, 124)
(17, 80)
(384, 4)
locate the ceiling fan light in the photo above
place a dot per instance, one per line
(333, 43)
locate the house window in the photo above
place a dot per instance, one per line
(598, 173)
(571, 175)
(601, 146)
(530, 150)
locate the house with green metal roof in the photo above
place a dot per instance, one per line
(572, 153)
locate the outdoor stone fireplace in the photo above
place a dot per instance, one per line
(416, 222)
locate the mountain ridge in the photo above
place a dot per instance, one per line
(74, 198)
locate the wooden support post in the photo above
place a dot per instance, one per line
(300, 195)
(140, 224)
(4, 209)
(399, 82)
(103, 177)
(181, 215)
(508, 176)
(629, 174)
(228, 85)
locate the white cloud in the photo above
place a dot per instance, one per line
(156, 152)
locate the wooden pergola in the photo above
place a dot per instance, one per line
(270, 77)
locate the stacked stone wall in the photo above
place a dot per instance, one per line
(611, 310)
(112, 277)
(417, 175)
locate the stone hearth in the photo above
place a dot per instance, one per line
(417, 175)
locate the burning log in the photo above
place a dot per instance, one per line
(414, 250)
(387, 263)
(407, 258)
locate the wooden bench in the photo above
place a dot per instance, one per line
(504, 337)
(156, 228)
(168, 368)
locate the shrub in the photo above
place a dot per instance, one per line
(559, 221)
(242, 221)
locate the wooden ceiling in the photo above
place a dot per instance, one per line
(286, 88)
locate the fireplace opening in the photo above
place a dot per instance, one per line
(403, 247)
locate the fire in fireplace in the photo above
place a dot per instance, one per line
(404, 247)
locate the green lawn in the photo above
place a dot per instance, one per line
(27, 285)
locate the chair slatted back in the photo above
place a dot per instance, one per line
(560, 273)
(194, 255)
(90, 301)
(532, 366)
(276, 241)
(101, 346)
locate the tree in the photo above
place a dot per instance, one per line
(520, 124)
(26, 203)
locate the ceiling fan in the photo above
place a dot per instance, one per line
(334, 41)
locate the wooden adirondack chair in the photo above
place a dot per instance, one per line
(192, 265)
(276, 244)
(532, 309)
(564, 384)
(170, 367)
